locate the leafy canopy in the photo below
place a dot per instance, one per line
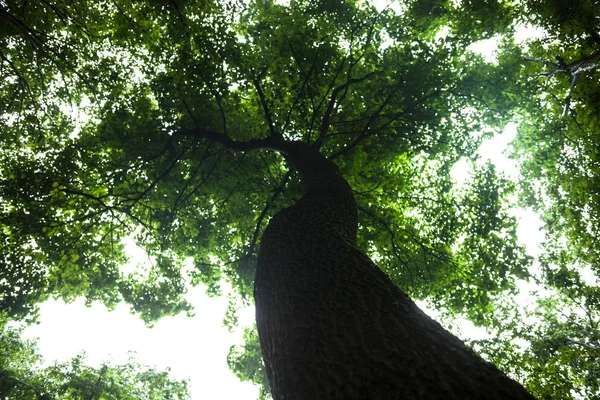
(96, 99)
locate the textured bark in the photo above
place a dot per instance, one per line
(333, 326)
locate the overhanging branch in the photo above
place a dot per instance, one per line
(270, 143)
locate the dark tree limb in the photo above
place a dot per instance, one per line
(259, 221)
(270, 143)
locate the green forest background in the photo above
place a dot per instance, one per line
(95, 99)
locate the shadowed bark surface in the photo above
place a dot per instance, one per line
(332, 325)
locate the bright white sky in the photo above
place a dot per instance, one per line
(194, 348)
(197, 348)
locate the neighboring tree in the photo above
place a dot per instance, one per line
(138, 121)
(23, 377)
(332, 325)
(553, 79)
(555, 76)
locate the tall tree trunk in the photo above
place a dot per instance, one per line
(333, 326)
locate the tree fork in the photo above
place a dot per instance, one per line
(332, 325)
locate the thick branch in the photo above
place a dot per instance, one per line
(573, 68)
(270, 143)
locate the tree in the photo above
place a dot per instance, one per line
(171, 99)
(553, 80)
(555, 76)
(23, 377)
(332, 325)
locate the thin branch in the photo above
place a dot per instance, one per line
(367, 131)
(332, 103)
(106, 207)
(263, 102)
(395, 248)
(160, 177)
(533, 59)
(127, 17)
(330, 87)
(39, 41)
(68, 19)
(591, 346)
(276, 193)
(305, 84)
(20, 76)
(199, 185)
(192, 177)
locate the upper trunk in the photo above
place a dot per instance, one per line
(333, 326)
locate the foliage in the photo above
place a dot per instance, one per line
(242, 360)
(552, 81)
(98, 99)
(181, 197)
(552, 345)
(23, 376)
